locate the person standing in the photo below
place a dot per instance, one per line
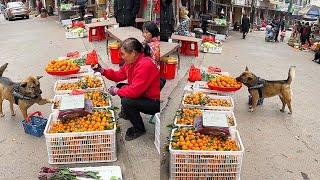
(308, 33)
(276, 26)
(167, 20)
(125, 12)
(245, 25)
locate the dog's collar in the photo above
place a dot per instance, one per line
(258, 84)
(18, 95)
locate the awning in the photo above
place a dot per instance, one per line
(310, 11)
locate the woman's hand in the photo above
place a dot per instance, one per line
(113, 90)
(96, 68)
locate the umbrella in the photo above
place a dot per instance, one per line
(310, 11)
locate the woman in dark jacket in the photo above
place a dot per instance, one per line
(125, 12)
(167, 20)
(245, 25)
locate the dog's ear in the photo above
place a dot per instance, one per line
(23, 84)
(39, 77)
(247, 69)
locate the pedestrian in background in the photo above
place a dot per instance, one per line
(276, 25)
(282, 35)
(167, 20)
(245, 25)
(125, 12)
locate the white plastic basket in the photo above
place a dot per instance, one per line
(194, 165)
(74, 35)
(80, 147)
(228, 113)
(58, 97)
(157, 132)
(58, 82)
(221, 108)
(212, 50)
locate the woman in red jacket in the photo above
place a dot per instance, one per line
(142, 93)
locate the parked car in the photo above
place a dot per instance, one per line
(15, 10)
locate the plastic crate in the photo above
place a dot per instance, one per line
(74, 35)
(58, 97)
(58, 82)
(229, 113)
(80, 147)
(157, 132)
(195, 165)
(221, 108)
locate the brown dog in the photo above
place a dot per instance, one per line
(24, 94)
(260, 88)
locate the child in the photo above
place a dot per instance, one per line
(282, 35)
(183, 28)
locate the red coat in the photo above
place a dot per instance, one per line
(143, 79)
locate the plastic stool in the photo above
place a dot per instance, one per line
(99, 34)
(186, 48)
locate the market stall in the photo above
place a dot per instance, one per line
(66, 11)
(205, 141)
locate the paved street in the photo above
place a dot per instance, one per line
(277, 145)
(28, 45)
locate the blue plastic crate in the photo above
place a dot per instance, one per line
(34, 125)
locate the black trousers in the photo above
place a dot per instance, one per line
(133, 107)
(317, 56)
(276, 36)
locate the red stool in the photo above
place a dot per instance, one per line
(97, 33)
(186, 48)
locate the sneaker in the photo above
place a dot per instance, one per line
(123, 115)
(133, 133)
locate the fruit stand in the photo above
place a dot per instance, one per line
(199, 150)
(81, 127)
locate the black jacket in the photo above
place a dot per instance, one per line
(125, 11)
(245, 25)
(167, 20)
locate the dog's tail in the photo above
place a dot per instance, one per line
(291, 74)
(2, 68)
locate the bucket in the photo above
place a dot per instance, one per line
(115, 55)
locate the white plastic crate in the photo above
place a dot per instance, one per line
(228, 113)
(73, 80)
(211, 165)
(221, 108)
(157, 132)
(212, 50)
(58, 97)
(74, 35)
(80, 147)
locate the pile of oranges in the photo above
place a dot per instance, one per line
(219, 102)
(61, 66)
(195, 99)
(224, 82)
(97, 121)
(200, 98)
(84, 83)
(99, 99)
(188, 139)
(186, 116)
(91, 82)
